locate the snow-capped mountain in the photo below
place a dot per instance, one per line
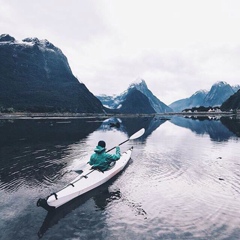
(112, 102)
(158, 106)
(115, 102)
(219, 93)
(194, 101)
(136, 102)
(36, 77)
(235, 88)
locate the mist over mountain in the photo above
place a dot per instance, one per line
(203, 125)
(35, 76)
(115, 102)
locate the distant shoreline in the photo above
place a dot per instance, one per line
(106, 116)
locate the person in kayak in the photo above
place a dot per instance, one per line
(102, 160)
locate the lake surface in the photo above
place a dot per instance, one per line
(183, 181)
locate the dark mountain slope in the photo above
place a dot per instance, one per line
(232, 103)
(35, 76)
(157, 105)
(136, 102)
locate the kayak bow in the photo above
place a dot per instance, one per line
(85, 182)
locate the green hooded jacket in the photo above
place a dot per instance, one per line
(101, 160)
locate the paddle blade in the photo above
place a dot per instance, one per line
(81, 167)
(78, 171)
(137, 134)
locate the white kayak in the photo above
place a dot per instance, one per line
(88, 180)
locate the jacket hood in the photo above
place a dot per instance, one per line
(99, 149)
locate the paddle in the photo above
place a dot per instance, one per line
(79, 171)
(136, 135)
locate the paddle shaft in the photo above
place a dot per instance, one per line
(118, 145)
(134, 136)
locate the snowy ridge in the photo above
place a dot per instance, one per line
(200, 92)
(115, 102)
(219, 92)
(43, 44)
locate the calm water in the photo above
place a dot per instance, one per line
(183, 181)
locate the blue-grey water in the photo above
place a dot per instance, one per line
(183, 181)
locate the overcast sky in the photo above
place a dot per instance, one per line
(176, 46)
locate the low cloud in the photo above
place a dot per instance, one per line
(177, 47)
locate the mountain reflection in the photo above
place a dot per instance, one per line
(35, 151)
(134, 124)
(216, 130)
(233, 124)
(150, 124)
(45, 130)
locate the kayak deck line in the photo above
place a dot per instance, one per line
(90, 179)
(84, 176)
(92, 169)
